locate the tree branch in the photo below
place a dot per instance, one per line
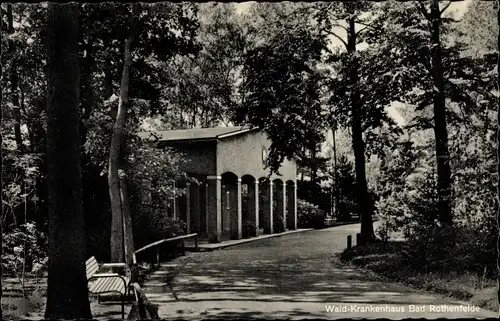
(446, 7)
(364, 24)
(341, 26)
(359, 31)
(338, 37)
(423, 10)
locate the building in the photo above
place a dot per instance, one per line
(234, 196)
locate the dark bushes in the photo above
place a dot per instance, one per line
(309, 215)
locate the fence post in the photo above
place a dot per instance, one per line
(134, 271)
(349, 241)
(196, 242)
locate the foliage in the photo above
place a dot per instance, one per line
(314, 193)
(278, 223)
(283, 86)
(408, 204)
(248, 228)
(19, 186)
(205, 88)
(479, 27)
(152, 224)
(373, 70)
(309, 215)
(165, 31)
(344, 189)
(387, 259)
(24, 250)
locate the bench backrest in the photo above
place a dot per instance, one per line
(91, 266)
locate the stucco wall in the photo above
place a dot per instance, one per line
(200, 157)
(242, 155)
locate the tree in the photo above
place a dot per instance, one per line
(479, 27)
(440, 129)
(14, 84)
(164, 31)
(117, 211)
(67, 296)
(23, 103)
(358, 95)
(446, 86)
(282, 82)
(205, 90)
(345, 189)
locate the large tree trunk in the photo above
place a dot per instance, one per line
(117, 243)
(67, 296)
(440, 130)
(363, 198)
(88, 94)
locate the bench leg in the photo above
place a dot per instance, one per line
(123, 307)
(98, 299)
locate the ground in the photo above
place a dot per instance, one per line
(293, 276)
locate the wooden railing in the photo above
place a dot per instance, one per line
(157, 244)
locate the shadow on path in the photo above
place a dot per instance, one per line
(294, 276)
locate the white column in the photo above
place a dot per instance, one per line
(256, 196)
(284, 205)
(239, 214)
(295, 204)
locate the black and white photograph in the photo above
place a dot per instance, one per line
(250, 160)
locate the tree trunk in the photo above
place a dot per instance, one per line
(440, 130)
(67, 296)
(14, 82)
(88, 94)
(128, 237)
(116, 243)
(1, 205)
(312, 165)
(363, 198)
(335, 195)
(498, 138)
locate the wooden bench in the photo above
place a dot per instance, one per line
(104, 283)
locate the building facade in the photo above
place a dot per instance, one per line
(234, 196)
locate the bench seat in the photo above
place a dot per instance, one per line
(107, 283)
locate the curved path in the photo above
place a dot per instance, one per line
(294, 276)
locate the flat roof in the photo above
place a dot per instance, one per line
(196, 134)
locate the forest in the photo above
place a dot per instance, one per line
(391, 104)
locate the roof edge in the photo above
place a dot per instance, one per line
(187, 140)
(235, 133)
